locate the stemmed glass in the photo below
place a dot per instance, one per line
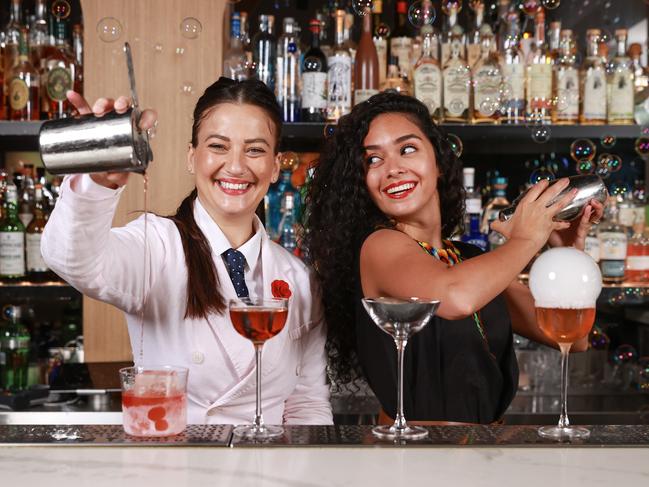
(258, 320)
(565, 283)
(400, 318)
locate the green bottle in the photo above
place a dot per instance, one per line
(12, 237)
(14, 351)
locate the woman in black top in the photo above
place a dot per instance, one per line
(383, 201)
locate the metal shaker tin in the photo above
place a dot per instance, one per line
(590, 187)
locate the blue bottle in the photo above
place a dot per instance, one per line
(273, 203)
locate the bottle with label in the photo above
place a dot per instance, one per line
(314, 79)
(593, 83)
(380, 39)
(427, 77)
(36, 267)
(640, 76)
(474, 39)
(12, 238)
(591, 245)
(264, 50)
(14, 351)
(366, 65)
(24, 83)
(339, 75)
(473, 200)
(235, 62)
(457, 85)
(566, 82)
(452, 32)
(401, 41)
(637, 256)
(26, 195)
(487, 80)
(274, 196)
(287, 226)
(539, 75)
(11, 45)
(395, 81)
(621, 86)
(512, 66)
(58, 75)
(473, 235)
(288, 72)
(612, 246)
(495, 204)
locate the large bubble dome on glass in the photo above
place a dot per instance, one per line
(565, 277)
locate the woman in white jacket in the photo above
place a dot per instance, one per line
(233, 157)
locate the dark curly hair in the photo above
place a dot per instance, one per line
(340, 214)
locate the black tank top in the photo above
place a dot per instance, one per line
(451, 373)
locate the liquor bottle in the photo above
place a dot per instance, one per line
(264, 51)
(235, 61)
(452, 30)
(474, 41)
(457, 85)
(637, 256)
(36, 267)
(288, 72)
(14, 351)
(640, 77)
(539, 75)
(593, 83)
(339, 74)
(473, 200)
(427, 77)
(621, 87)
(380, 39)
(24, 84)
(487, 79)
(314, 79)
(287, 227)
(554, 39)
(10, 47)
(12, 238)
(612, 245)
(496, 203)
(38, 33)
(395, 80)
(325, 42)
(566, 82)
(401, 41)
(591, 245)
(58, 75)
(366, 65)
(472, 234)
(77, 50)
(274, 198)
(348, 25)
(26, 195)
(512, 66)
(244, 35)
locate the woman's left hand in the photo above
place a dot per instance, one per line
(575, 234)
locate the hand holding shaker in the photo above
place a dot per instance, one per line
(87, 144)
(589, 187)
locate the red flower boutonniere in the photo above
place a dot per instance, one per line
(280, 289)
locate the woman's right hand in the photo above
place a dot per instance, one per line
(533, 219)
(102, 106)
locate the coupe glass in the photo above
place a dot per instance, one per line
(400, 318)
(258, 320)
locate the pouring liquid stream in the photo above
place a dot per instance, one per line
(145, 265)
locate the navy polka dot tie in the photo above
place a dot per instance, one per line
(235, 261)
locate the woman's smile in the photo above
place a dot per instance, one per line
(400, 189)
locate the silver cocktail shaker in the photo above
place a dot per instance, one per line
(86, 144)
(590, 187)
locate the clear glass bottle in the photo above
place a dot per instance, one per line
(59, 73)
(497, 202)
(487, 80)
(12, 40)
(314, 79)
(366, 65)
(457, 85)
(473, 200)
(339, 74)
(453, 32)
(14, 351)
(539, 75)
(12, 237)
(36, 267)
(288, 72)
(401, 41)
(621, 86)
(23, 100)
(512, 66)
(427, 76)
(612, 245)
(287, 227)
(591, 245)
(245, 35)
(474, 39)
(38, 33)
(380, 39)
(264, 51)
(593, 83)
(235, 61)
(637, 256)
(554, 39)
(395, 81)
(566, 82)
(26, 195)
(473, 235)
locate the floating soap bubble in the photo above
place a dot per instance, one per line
(561, 102)
(530, 7)
(109, 29)
(505, 91)
(614, 162)
(601, 168)
(541, 134)
(540, 174)
(642, 146)
(422, 13)
(187, 88)
(362, 7)
(584, 166)
(533, 119)
(644, 130)
(582, 149)
(456, 144)
(489, 106)
(329, 130)
(449, 5)
(551, 4)
(190, 28)
(608, 141)
(382, 30)
(619, 188)
(289, 161)
(180, 51)
(598, 339)
(158, 48)
(61, 9)
(624, 354)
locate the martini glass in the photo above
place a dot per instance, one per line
(400, 318)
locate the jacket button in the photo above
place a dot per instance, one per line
(198, 357)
